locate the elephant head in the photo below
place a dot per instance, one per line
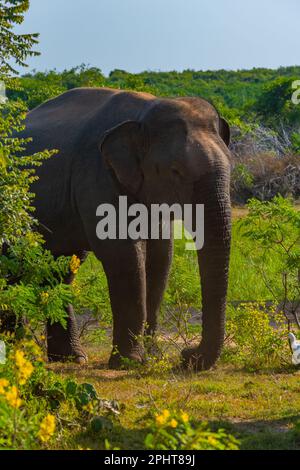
(178, 153)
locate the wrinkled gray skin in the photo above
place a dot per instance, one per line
(153, 150)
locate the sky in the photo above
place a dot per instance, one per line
(138, 35)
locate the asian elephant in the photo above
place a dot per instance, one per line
(153, 150)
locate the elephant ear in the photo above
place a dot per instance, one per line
(122, 148)
(224, 131)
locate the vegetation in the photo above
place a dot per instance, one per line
(16, 46)
(36, 407)
(31, 280)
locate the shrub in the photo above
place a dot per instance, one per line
(91, 291)
(31, 284)
(265, 163)
(274, 227)
(37, 408)
(252, 341)
(174, 431)
(24, 423)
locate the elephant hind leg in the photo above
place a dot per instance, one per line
(63, 344)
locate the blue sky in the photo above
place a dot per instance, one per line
(137, 35)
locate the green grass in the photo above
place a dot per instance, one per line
(258, 408)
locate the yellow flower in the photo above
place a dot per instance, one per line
(163, 418)
(173, 423)
(185, 417)
(25, 373)
(74, 264)
(12, 396)
(42, 337)
(47, 428)
(89, 407)
(44, 297)
(20, 359)
(212, 441)
(3, 384)
(25, 367)
(160, 420)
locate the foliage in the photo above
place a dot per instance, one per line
(241, 180)
(31, 280)
(12, 45)
(253, 342)
(33, 271)
(20, 415)
(174, 431)
(274, 228)
(274, 106)
(17, 173)
(37, 408)
(90, 291)
(295, 137)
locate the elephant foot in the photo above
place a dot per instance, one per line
(124, 361)
(81, 360)
(196, 360)
(63, 344)
(78, 356)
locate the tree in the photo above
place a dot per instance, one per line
(15, 198)
(14, 46)
(274, 107)
(31, 280)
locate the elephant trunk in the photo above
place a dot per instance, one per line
(213, 191)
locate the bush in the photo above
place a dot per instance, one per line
(174, 431)
(90, 291)
(274, 227)
(37, 408)
(265, 163)
(25, 423)
(256, 338)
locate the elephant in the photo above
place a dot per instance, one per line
(153, 150)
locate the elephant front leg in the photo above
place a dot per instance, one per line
(125, 271)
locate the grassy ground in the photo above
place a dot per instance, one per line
(258, 408)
